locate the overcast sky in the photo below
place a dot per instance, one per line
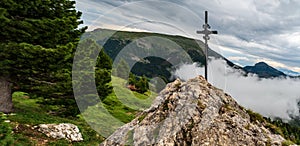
(249, 31)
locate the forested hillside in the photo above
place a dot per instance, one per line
(114, 41)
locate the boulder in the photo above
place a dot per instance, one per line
(66, 131)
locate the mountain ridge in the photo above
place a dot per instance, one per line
(114, 41)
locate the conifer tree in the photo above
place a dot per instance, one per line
(132, 79)
(142, 85)
(37, 41)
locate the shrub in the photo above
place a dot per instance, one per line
(287, 143)
(255, 117)
(142, 85)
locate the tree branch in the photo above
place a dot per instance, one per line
(42, 82)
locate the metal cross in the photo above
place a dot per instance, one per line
(206, 32)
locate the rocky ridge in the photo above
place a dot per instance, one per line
(193, 113)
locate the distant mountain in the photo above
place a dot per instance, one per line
(263, 70)
(114, 42)
(289, 72)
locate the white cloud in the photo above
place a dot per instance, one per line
(270, 97)
(238, 58)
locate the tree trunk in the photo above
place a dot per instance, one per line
(6, 105)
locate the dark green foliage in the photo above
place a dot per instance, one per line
(103, 77)
(34, 68)
(142, 85)
(255, 116)
(289, 131)
(274, 129)
(277, 126)
(295, 119)
(132, 80)
(103, 60)
(103, 74)
(65, 107)
(157, 67)
(46, 23)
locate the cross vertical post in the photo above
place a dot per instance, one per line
(206, 33)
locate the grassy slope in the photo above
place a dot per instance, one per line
(30, 113)
(117, 109)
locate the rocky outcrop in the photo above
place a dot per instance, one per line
(193, 113)
(66, 131)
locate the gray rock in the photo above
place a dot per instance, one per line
(66, 131)
(193, 113)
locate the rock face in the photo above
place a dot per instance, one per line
(193, 113)
(61, 131)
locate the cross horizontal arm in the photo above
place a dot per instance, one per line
(200, 32)
(214, 32)
(207, 32)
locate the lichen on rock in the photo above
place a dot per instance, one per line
(66, 131)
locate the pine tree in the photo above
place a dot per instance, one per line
(37, 41)
(132, 79)
(142, 85)
(103, 74)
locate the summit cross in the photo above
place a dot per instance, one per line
(206, 37)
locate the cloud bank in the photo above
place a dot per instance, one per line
(270, 97)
